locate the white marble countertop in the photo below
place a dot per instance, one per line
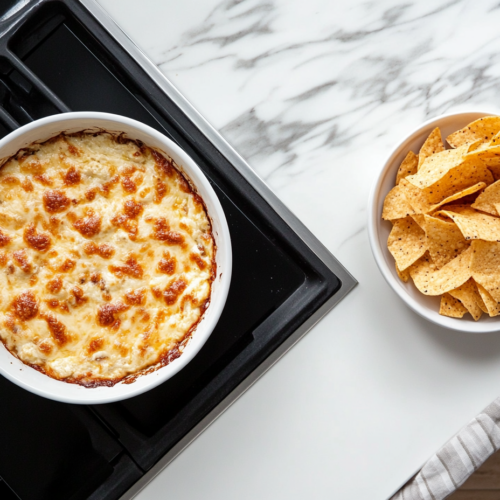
(314, 94)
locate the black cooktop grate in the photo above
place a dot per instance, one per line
(56, 57)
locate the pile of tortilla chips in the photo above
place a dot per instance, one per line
(445, 215)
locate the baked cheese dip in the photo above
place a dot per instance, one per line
(106, 258)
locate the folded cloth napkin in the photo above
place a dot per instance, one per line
(445, 471)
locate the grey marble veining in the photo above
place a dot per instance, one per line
(323, 79)
(309, 92)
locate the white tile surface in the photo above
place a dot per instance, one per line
(314, 94)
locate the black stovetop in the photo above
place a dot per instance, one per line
(55, 57)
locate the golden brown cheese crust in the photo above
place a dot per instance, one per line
(106, 258)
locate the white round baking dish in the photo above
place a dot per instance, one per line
(30, 379)
(378, 229)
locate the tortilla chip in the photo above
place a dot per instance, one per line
(403, 275)
(407, 242)
(489, 154)
(484, 129)
(419, 219)
(488, 198)
(480, 301)
(495, 171)
(435, 167)
(476, 225)
(485, 266)
(419, 201)
(451, 307)
(445, 241)
(485, 151)
(477, 146)
(432, 281)
(432, 145)
(492, 306)
(408, 166)
(469, 199)
(467, 174)
(468, 295)
(396, 205)
(495, 141)
(458, 209)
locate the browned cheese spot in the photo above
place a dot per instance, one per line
(27, 185)
(3, 259)
(163, 233)
(72, 177)
(188, 298)
(73, 150)
(52, 303)
(67, 265)
(167, 264)
(90, 194)
(56, 329)
(131, 268)
(106, 314)
(173, 291)
(21, 260)
(128, 184)
(25, 305)
(127, 220)
(162, 164)
(184, 184)
(107, 186)
(194, 257)
(55, 285)
(161, 189)
(45, 346)
(79, 297)
(55, 201)
(95, 345)
(135, 297)
(35, 240)
(145, 316)
(4, 239)
(88, 226)
(10, 180)
(33, 167)
(54, 224)
(57, 304)
(128, 170)
(95, 278)
(103, 250)
(132, 209)
(43, 179)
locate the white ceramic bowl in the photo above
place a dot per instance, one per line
(28, 378)
(378, 229)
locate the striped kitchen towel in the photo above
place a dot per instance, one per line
(445, 471)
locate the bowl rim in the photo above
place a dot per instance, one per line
(77, 394)
(375, 220)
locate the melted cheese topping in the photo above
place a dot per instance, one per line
(106, 258)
